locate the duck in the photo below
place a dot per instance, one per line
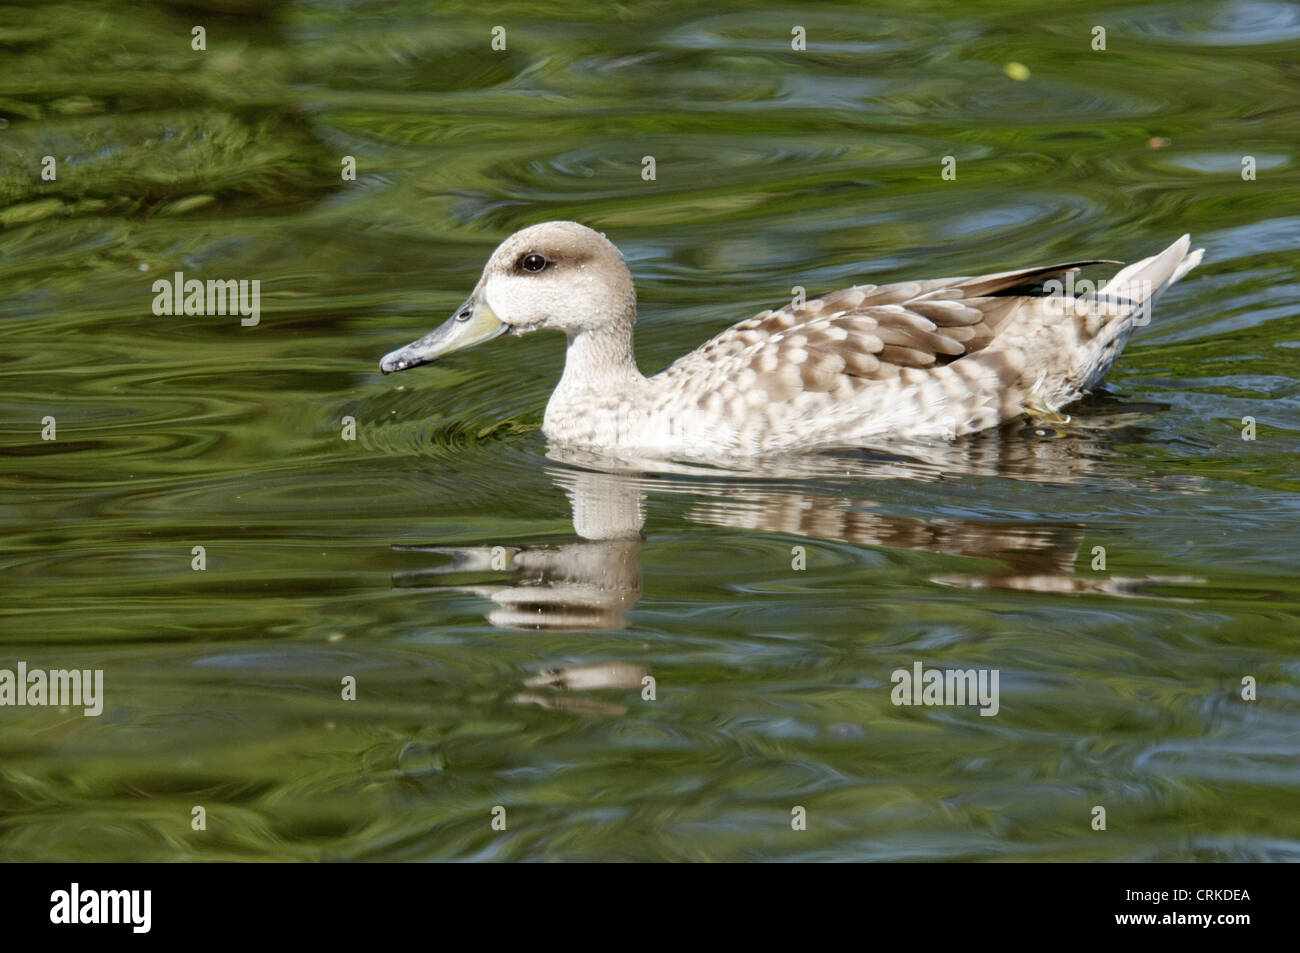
(857, 367)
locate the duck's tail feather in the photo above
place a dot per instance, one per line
(1143, 281)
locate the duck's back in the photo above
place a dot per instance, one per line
(913, 359)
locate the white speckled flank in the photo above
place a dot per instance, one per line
(917, 359)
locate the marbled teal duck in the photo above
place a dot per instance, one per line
(861, 366)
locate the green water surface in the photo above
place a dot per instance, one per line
(442, 559)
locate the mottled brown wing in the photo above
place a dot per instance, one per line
(866, 333)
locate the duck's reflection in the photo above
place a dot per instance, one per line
(584, 584)
(592, 581)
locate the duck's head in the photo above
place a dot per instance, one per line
(554, 275)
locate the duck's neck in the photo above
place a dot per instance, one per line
(600, 360)
(600, 372)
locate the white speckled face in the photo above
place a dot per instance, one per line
(558, 275)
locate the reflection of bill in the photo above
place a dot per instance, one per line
(554, 686)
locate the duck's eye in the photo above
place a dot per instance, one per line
(465, 314)
(533, 262)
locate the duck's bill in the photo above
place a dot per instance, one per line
(473, 323)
